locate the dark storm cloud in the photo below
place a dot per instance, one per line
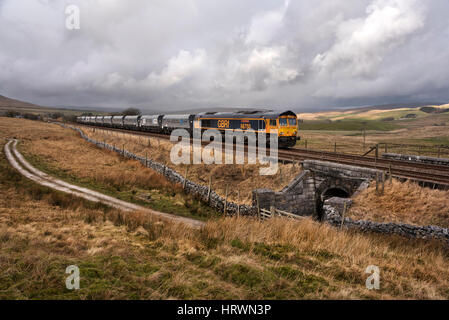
(170, 55)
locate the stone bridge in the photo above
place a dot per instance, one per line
(318, 181)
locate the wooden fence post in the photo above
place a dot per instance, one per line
(258, 205)
(364, 140)
(383, 182)
(185, 178)
(273, 211)
(390, 176)
(335, 147)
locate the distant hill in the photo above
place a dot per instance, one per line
(393, 106)
(6, 103)
(384, 113)
(9, 104)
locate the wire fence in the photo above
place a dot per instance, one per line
(437, 151)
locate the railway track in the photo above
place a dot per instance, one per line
(428, 174)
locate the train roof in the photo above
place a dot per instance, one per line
(151, 116)
(177, 116)
(246, 114)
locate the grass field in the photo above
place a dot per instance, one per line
(402, 203)
(349, 125)
(129, 256)
(234, 178)
(42, 232)
(421, 136)
(61, 152)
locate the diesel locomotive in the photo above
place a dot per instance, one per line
(283, 124)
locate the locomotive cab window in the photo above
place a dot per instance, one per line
(273, 122)
(292, 121)
(283, 122)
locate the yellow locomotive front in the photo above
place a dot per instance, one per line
(286, 125)
(283, 125)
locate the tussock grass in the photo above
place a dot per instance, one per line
(404, 202)
(61, 152)
(243, 177)
(134, 256)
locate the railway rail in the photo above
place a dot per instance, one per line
(436, 176)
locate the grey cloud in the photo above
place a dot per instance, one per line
(167, 54)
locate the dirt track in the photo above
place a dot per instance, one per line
(26, 169)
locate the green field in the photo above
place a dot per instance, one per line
(349, 125)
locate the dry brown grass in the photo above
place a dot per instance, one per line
(404, 202)
(424, 134)
(244, 178)
(130, 256)
(63, 153)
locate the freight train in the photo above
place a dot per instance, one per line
(283, 124)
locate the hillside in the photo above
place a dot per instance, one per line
(129, 255)
(385, 112)
(9, 104)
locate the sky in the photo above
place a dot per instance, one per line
(171, 55)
